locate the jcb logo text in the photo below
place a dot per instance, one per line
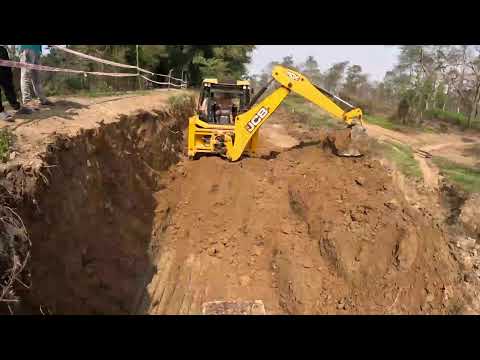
(293, 76)
(259, 116)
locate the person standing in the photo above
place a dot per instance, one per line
(30, 79)
(6, 83)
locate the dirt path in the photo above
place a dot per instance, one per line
(70, 115)
(456, 147)
(275, 136)
(430, 172)
(424, 141)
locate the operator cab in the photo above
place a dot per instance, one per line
(220, 103)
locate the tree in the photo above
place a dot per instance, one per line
(474, 83)
(311, 70)
(403, 110)
(264, 79)
(334, 75)
(354, 79)
(288, 62)
(199, 61)
(223, 62)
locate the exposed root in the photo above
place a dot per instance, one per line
(14, 254)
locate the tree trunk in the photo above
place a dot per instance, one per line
(434, 94)
(446, 97)
(462, 76)
(476, 100)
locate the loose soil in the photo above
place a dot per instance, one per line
(305, 233)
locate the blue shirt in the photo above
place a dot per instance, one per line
(36, 48)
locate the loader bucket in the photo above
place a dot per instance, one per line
(347, 142)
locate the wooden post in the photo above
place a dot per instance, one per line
(169, 78)
(138, 72)
(13, 51)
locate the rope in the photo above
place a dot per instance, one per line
(162, 83)
(16, 64)
(108, 62)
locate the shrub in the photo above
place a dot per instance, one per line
(448, 116)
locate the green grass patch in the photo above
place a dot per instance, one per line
(465, 177)
(384, 122)
(454, 118)
(6, 142)
(392, 125)
(448, 116)
(402, 156)
(311, 114)
(180, 99)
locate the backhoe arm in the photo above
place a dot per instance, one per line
(299, 84)
(247, 124)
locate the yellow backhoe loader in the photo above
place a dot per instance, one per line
(228, 118)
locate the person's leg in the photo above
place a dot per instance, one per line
(2, 109)
(3, 78)
(36, 81)
(3, 114)
(7, 84)
(10, 94)
(6, 81)
(26, 77)
(2, 75)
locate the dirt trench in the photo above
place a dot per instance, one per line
(88, 208)
(121, 223)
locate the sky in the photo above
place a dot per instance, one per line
(375, 60)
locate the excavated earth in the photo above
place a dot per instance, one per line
(120, 222)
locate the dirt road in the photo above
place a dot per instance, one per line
(70, 115)
(457, 147)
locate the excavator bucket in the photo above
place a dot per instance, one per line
(349, 142)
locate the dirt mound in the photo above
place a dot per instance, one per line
(305, 232)
(470, 215)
